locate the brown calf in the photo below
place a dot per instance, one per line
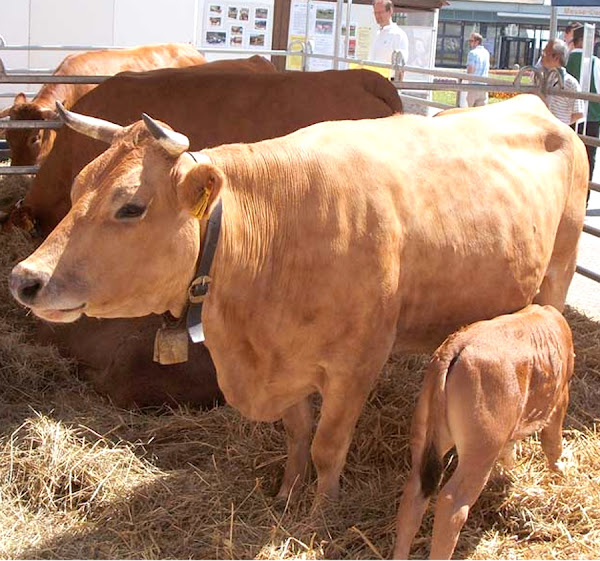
(488, 385)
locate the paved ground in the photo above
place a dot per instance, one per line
(584, 293)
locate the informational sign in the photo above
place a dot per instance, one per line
(421, 41)
(238, 25)
(579, 11)
(519, 1)
(317, 23)
(575, 3)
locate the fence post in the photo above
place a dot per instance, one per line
(459, 92)
(398, 64)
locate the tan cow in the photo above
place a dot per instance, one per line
(31, 146)
(490, 384)
(246, 91)
(336, 246)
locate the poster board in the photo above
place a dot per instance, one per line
(316, 22)
(247, 24)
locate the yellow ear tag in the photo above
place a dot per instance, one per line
(199, 210)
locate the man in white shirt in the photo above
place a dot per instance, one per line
(478, 63)
(390, 37)
(567, 110)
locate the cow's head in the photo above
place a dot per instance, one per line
(28, 146)
(129, 245)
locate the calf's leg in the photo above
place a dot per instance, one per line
(427, 467)
(508, 456)
(455, 500)
(298, 422)
(551, 435)
(413, 505)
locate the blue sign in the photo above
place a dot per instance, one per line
(576, 2)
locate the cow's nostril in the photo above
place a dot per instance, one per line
(29, 290)
(25, 284)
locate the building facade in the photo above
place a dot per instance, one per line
(514, 33)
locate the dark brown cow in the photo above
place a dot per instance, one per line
(196, 99)
(116, 356)
(212, 107)
(30, 146)
(487, 386)
(74, 152)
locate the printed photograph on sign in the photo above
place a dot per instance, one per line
(232, 12)
(244, 14)
(325, 13)
(237, 30)
(260, 24)
(352, 46)
(257, 40)
(215, 9)
(235, 41)
(324, 27)
(216, 37)
(262, 13)
(215, 21)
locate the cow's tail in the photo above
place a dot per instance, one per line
(430, 426)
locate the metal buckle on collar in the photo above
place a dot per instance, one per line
(198, 289)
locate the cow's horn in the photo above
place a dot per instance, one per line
(90, 126)
(173, 142)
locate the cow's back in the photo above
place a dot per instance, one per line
(211, 107)
(220, 107)
(480, 209)
(108, 62)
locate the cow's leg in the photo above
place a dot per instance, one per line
(411, 509)
(298, 422)
(551, 435)
(455, 500)
(343, 401)
(556, 282)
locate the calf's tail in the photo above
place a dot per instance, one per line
(433, 411)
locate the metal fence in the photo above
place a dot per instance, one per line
(542, 84)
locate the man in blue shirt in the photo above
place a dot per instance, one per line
(478, 63)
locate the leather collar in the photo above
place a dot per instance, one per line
(198, 288)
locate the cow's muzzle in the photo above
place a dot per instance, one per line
(25, 285)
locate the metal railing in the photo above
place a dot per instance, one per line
(540, 86)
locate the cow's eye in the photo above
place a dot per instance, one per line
(130, 211)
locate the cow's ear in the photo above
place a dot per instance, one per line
(49, 115)
(199, 188)
(19, 99)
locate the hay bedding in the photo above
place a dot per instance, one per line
(80, 478)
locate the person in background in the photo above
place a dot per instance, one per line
(390, 37)
(568, 34)
(478, 63)
(567, 110)
(567, 37)
(573, 67)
